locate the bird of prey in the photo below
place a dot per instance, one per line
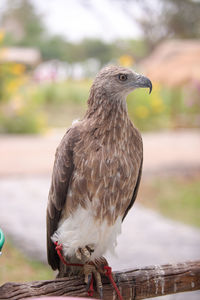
(96, 173)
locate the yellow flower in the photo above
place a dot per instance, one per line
(126, 60)
(18, 69)
(142, 112)
(13, 85)
(2, 34)
(157, 105)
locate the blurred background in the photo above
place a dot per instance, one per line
(49, 53)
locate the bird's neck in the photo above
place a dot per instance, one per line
(108, 122)
(107, 112)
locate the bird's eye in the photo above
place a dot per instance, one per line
(122, 77)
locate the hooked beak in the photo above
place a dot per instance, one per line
(143, 82)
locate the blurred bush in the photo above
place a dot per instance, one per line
(165, 108)
(148, 112)
(19, 112)
(70, 92)
(28, 107)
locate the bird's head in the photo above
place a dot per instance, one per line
(117, 81)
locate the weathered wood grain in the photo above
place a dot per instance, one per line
(141, 283)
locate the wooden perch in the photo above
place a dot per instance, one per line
(141, 283)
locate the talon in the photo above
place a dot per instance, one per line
(89, 279)
(90, 248)
(85, 252)
(97, 276)
(101, 292)
(78, 253)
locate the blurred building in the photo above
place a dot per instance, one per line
(56, 70)
(52, 70)
(11, 25)
(27, 56)
(174, 63)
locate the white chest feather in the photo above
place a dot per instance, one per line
(81, 229)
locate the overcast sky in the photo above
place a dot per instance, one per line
(77, 19)
(92, 18)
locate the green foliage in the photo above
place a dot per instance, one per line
(74, 92)
(56, 47)
(24, 104)
(164, 108)
(136, 48)
(95, 49)
(16, 267)
(148, 112)
(19, 112)
(175, 197)
(25, 122)
(63, 102)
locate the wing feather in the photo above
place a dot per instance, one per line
(62, 172)
(135, 192)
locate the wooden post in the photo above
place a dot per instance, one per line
(135, 284)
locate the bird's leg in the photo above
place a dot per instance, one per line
(100, 263)
(98, 281)
(88, 270)
(91, 268)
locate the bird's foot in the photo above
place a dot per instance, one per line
(85, 253)
(95, 268)
(92, 269)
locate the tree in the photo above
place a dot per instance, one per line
(161, 19)
(23, 22)
(95, 48)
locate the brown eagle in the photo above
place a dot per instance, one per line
(96, 173)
